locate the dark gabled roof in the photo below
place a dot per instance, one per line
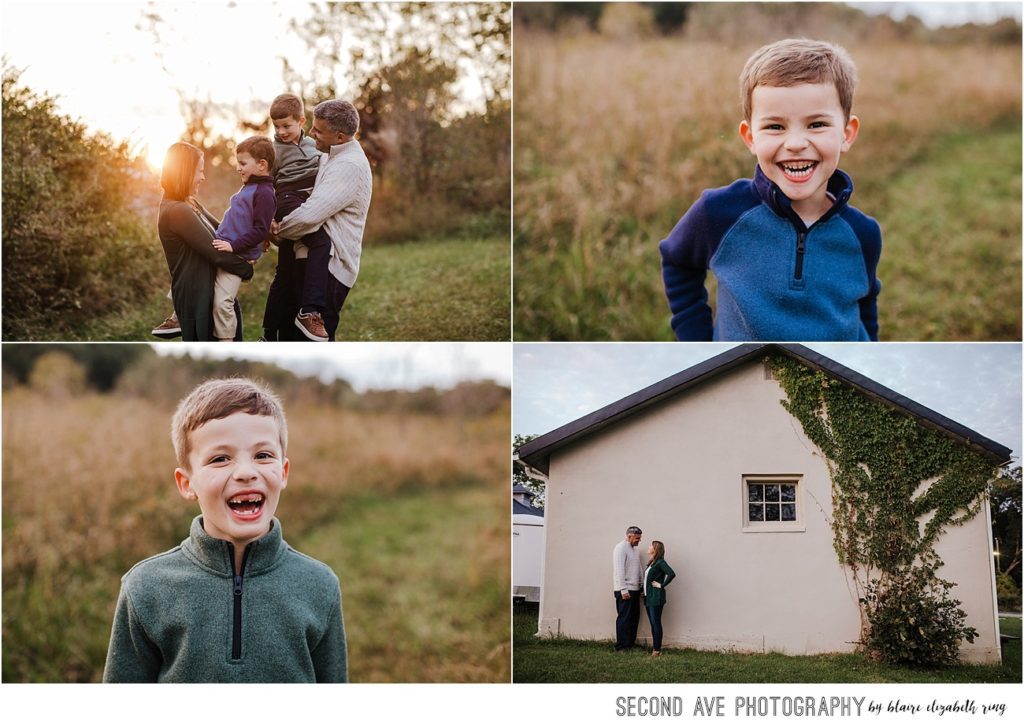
(537, 452)
(520, 508)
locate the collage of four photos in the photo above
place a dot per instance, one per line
(728, 294)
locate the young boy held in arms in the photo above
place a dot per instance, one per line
(245, 227)
(233, 602)
(294, 172)
(794, 261)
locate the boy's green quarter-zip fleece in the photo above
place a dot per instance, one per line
(187, 616)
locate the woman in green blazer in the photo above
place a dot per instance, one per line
(656, 579)
(187, 232)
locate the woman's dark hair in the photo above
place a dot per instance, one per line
(659, 552)
(180, 170)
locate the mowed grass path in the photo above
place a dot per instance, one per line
(561, 660)
(951, 254)
(443, 619)
(458, 289)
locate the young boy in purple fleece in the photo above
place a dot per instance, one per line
(793, 260)
(245, 227)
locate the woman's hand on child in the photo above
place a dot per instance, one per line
(222, 245)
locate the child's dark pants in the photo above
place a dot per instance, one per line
(280, 309)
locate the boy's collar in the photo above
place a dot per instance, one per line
(302, 135)
(215, 554)
(260, 179)
(840, 186)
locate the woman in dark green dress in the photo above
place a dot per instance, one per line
(656, 579)
(187, 232)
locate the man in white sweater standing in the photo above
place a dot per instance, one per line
(338, 204)
(627, 573)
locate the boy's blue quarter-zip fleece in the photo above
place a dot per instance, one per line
(176, 616)
(777, 279)
(247, 222)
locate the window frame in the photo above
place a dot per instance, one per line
(798, 525)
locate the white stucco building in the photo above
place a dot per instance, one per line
(709, 462)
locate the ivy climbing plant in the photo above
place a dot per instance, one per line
(896, 486)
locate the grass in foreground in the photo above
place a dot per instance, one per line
(561, 660)
(457, 289)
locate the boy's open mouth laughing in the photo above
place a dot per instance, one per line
(247, 505)
(798, 170)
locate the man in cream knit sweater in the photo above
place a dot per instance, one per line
(338, 204)
(627, 572)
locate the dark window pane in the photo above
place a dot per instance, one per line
(771, 492)
(771, 512)
(789, 492)
(755, 492)
(788, 512)
(756, 512)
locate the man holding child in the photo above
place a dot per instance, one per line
(317, 191)
(336, 210)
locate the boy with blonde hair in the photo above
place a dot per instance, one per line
(245, 227)
(794, 261)
(294, 172)
(233, 602)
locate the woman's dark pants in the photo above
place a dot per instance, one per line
(654, 615)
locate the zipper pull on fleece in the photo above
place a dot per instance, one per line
(238, 584)
(798, 273)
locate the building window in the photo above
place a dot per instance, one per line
(772, 503)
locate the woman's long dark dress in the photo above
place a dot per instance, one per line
(187, 238)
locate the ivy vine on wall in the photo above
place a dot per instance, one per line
(896, 486)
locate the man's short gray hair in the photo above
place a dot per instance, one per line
(341, 116)
(634, 530)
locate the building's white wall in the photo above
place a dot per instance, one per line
(676, 470)
(967, 553)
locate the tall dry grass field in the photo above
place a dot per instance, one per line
(418, 499)
(615, 138)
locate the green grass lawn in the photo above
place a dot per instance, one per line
(457, 289)
(561, 660)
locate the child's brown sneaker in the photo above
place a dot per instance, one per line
(169, 328)
(312, 326)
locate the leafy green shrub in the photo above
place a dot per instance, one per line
(74, 243)
(914, 620)
(1007, 593)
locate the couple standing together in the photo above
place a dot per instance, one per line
(310, 195)
(633, 581)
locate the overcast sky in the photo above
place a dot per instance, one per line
(371, 365)
(945, 13)
(977, 384)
